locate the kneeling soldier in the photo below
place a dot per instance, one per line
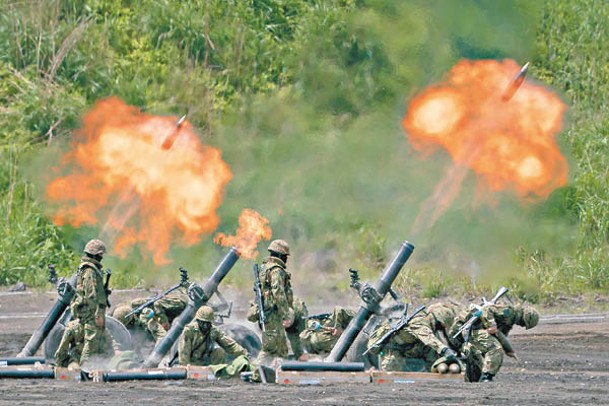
(200, 340)
(323, 331)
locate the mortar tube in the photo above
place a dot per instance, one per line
(9, 361)
(144, 375)
(21, 373)
(366, 310)
(209, 288)
(53, 316)
(322, 366)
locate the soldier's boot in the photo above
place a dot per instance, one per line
(486, 377)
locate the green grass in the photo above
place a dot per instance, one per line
(305, 99)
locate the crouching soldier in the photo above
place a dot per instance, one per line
(143, 323)
(323, 331)
(486, 341)
(203, 344)
(293, 332)
(69, 352)
(406, 348)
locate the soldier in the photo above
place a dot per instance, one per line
(69, 352)
(293, 332)
(90, 301)
(70, 348)
(167, 308)
(199, 342)
(441, 318)
(488, 336)
(322, 333)
(278, 303)
(416, 340)
(145, 321)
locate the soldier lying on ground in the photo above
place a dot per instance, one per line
(488, 336)
(323, 331)
(410, 346)
(203, 344)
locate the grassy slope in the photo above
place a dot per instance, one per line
(304, 98)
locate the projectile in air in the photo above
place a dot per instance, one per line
(171, 138)
(515, 83)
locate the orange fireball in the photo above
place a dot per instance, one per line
(253, 228)
(143, 179)
(509, 142)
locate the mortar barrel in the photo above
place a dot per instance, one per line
(209, 288)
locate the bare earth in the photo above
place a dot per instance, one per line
(566, 363)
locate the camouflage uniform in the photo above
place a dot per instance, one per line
(169, 307)
(89, 303)
(278, 306)
(318, 337)
(488, 348)
(293, 332)
(415, 341)
(145, 321)
(441, 318)
(197, 347)
(70, 348)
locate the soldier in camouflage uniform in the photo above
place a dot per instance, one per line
(169, 307)
(90, 301)
(441, 318)
(278, 303)
(203, 344)
(323, 332)
(293, 332)
(145, 321)
(414, 341)
(72, 341)
(488, 336)
(70, 348)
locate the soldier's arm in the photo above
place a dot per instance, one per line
(185, 348)
(228, 344)
(278, 293)
(425, 334)
(89, 291)
(505, 343)
(488, 318)
(161, 314)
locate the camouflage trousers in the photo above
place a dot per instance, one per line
(318, 342)
(95, 340)
(274, 341)
(215, 357)
(489, 348)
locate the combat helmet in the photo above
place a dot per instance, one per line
(95, 247)
(205, 313)
(530, 317)
(120, 313)
(280, 247)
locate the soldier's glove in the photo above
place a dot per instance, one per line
(148, 313)
(449, 354)
(315, 325)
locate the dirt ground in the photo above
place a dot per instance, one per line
(561, 362)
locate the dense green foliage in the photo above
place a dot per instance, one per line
(305, 98)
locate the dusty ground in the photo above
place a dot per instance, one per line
(561, 363)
